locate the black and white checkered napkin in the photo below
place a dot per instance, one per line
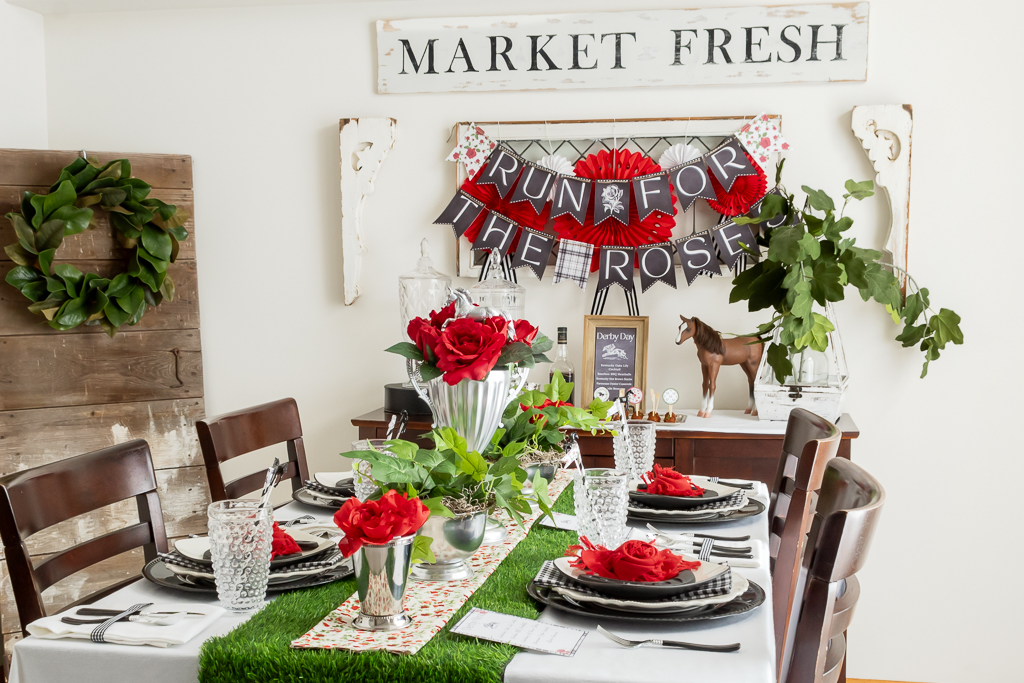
(550, 577)
(328, 560)
(573, 262)
(317, 487)
(98, 634)
(738, 498)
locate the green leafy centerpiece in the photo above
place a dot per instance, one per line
(808, 260)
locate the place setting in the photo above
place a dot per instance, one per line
(664, 495)
(326, 490)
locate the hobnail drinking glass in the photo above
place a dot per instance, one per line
(241, 535)
(634, 447)
(361, 482)
(601, 497)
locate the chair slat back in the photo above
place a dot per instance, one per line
(36, 499)
(244, 431)
(811, 442)
(849, 506)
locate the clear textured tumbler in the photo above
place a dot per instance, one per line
(361, 482)
(601, 496)
(241, 535)
(634, 447)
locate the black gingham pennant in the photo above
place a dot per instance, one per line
(573, 262)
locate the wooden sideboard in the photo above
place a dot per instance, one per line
(751, 454)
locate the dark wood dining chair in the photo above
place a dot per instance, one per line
(36, 499)
(244, 431)
(849, 504)
(810, 443)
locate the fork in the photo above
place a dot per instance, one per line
(633, 644)
(679, 536)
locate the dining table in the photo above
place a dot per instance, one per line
(597, 660)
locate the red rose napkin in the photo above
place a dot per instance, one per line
(665, 481)
(375, 522)
(632, 561)
(283, 544)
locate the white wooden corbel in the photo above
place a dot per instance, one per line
(885, 132)
(365, 144)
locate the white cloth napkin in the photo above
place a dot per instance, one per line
(132, 633)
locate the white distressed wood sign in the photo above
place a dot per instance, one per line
(782, 44)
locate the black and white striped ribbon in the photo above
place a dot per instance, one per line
(601, 298)
(705, 550)
(98, 633)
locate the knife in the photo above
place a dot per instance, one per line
(98, 612)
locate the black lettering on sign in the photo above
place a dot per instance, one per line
(728, 162)
(503, 53)
(697, 255)
(691, 181)
(657, 264)
(652, 193)
(618, 46)
(577, 51)
(731, 238)
(838, 42)
(572, 196)
(461, 53)
(679, 44)
(794, 46)
(502, 169)
(460, 213)
(428, 54)
(536, 52)
(533, 186)
(751, 44)
(712, 45)
(496, 234)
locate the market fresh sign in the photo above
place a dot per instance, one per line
(783, 44)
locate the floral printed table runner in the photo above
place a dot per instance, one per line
(430, 603)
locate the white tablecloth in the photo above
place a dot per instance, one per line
(599, 660)
(68, 661)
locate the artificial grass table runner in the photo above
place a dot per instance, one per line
(259, 650)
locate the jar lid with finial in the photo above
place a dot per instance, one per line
(421, 291)
(497, 291)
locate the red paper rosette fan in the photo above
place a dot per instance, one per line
(657, 227)
(746, 191)
(520, 212)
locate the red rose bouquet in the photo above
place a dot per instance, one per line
(665, 481)
(469, 345)
(375, 522)
(631, 561)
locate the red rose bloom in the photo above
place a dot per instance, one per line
(525, 332)
(425, 336)
(498, 324)
(632, 561)
(375, 522)
(282, 543)
(468, 349)
(438, 318)
(665, 481)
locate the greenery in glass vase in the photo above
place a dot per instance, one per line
(808, 261)
(452, 476)
(532, 422)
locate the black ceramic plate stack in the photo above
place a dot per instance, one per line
(331, 496)
(719, 503)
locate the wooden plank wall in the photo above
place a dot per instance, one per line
(67, 393)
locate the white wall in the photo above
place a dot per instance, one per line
(254, 95)
(22, 79)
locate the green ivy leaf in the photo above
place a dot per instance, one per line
(421, 551)
(778, 359)
(817, 337)
(911, 335)
(809, 247)
(767, 291)
(861, 190)
(834, 229)
(436, 507)
(818, 199)
(915, 305)
(742, 283)
(945, 325)
(802, 302)
(785, 244)
(826, 285)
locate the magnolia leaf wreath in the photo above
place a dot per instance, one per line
(150, 228)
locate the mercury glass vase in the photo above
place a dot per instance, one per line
(382, 575)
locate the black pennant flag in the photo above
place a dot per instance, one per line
(657, 264)
(611, 200)
(572, 196)
(697, 255)
(496, 233)
(502, 169)
(729, 237)
(729, 161)
(534, 186)
(757, 210)
(691, 181)
(652, 193)
(460, 213)
(616, 268)
(534, 251)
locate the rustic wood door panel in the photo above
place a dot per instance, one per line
(67, 393)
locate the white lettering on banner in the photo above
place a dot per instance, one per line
(731, 162)
(504, 171)
(505, 233)
(576, 202)
(729, 239)
(668, 262)
(644, 192)
(703, 180)
(618, 268)
(735, 45)
(528, 246)
(704, 250)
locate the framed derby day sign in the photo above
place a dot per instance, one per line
(614, 354)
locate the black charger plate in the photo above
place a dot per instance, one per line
(307, 497)
(157, 572)
(750, 600)
(753, 508)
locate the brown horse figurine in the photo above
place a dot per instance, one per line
(713, 352)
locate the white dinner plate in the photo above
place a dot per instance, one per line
(196, 549)
(690, 513)
(331, 479)
(739, 587)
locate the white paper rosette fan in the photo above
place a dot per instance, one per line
(678, 154)
(558, 164)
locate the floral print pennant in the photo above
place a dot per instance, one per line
(762, 138)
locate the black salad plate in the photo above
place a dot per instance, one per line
(750, 600)
(308, 497)
(157, 572)
(751, 509)
(660, 502)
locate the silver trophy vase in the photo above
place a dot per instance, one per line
(382, 574)
(453, 541)
(472, 408)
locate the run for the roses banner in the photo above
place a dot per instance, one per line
(735, 45)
